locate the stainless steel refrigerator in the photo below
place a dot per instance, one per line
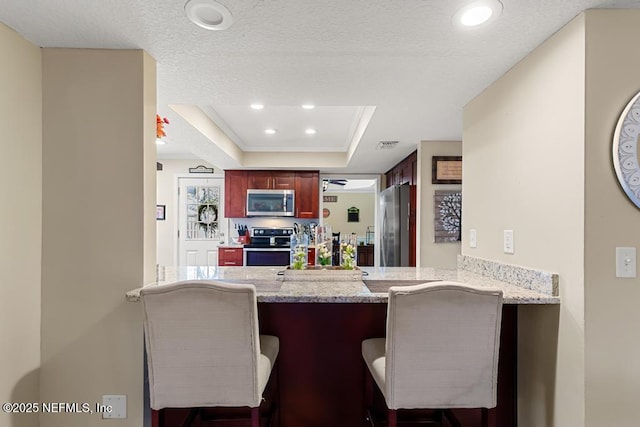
(395, 238)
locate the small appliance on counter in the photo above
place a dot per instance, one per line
(270, 246)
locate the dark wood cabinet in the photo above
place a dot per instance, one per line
(270, 180)
(283, 180)
(365, 255)
(235, 193)
(405, 172)
(230, 257)
(311, 256)
(307, 186)
(305, 183)
(259, 179)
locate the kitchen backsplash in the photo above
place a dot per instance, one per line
(235, 223)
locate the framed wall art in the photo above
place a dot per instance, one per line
(447, 216)
(446, 170)
(625, 150)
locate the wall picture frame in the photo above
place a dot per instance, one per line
(447, 216)
(446, 170)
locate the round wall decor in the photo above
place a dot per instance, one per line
(325, 213)
(625, 150)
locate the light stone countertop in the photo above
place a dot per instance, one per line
(272, 288)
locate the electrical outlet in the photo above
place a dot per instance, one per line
(473, 238)
(116, 405)
(625, 262)
(508, 242)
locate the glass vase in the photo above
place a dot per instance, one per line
(323, 246)
(299, 251)
(348, 252)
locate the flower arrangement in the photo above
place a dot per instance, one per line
(347, 256)
(324, 254)
(299, 258)
(160, 122)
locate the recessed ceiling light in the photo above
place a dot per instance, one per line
(477, 13)
(310, 131)
(308, 106)
(208, 14)
(270, 131)
(257, 106)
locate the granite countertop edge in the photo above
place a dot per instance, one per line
(274, 290)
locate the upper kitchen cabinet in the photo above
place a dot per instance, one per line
(235, 193)
(405, 172)
(271, 180)
(305, 183)
(307, 186)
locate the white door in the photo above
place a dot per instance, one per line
(200, 220)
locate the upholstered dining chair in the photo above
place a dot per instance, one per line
(441, 350)
(204, 349)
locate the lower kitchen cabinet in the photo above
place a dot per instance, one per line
(365, 255)
(230, 257)
(311, 256)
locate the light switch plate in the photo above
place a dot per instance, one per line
(626, 262)
(118, 404)
(508, 241)
(473, 238)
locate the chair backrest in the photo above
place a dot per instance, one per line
(443, 340)
(202, 344)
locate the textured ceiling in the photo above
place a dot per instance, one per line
(402, 57)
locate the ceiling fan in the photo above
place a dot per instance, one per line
(326, 182)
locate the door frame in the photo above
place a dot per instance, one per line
(376, 191)
(175, 225)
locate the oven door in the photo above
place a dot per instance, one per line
(254, 257)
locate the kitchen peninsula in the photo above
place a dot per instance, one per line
(322, 322)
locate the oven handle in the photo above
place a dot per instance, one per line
(267, 249)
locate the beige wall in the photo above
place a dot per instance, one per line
(20, 222)
(431, 254)
(523, 150)
(366, 202)
(98, 226)
(612, 314)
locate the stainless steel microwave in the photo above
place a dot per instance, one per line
(270, 202)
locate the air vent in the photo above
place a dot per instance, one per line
(387, 145)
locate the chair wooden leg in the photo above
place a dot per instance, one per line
(485, 417)
(277, 397)
(193, 413)
(438, 416)
(450, 416)
(367, 397)
(255, 417)
(392, 416)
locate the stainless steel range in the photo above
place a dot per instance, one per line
(270, 246)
